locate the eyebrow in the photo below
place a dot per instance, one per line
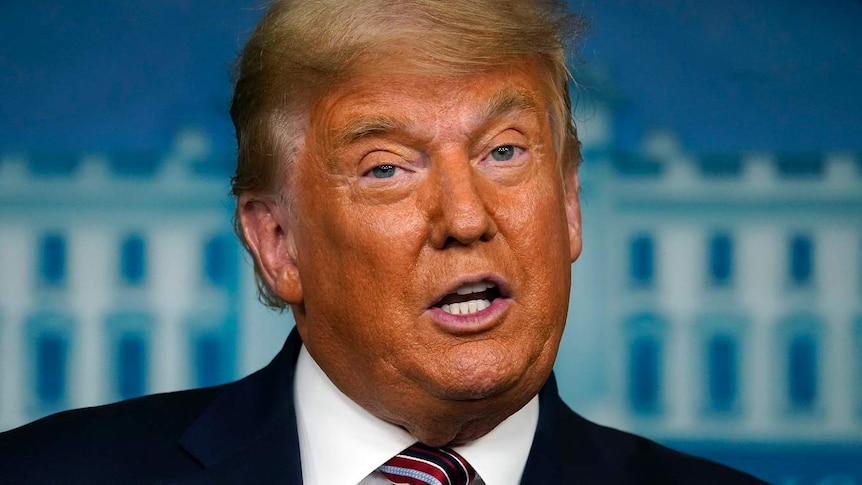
(511, 99)
(502, 102)
(367, 126)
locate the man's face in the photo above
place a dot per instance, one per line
(433, 236)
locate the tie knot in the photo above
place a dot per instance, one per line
(423, 465)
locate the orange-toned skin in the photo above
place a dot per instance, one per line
(362, 260)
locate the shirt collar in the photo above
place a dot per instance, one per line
(499, 457)
(340, 442)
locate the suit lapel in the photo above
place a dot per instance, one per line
(563, 450)
(248, 434)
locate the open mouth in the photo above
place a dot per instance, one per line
(470, 298)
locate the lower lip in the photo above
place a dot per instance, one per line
(474, 322)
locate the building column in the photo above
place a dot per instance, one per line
(836, 276)
(16, 285)
(92, 272)
(680, 265)
(175, 265)
(761, 252)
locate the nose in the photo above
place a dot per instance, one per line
(461, 205)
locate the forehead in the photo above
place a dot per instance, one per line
(384, 99)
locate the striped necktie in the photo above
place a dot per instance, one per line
(423, 465)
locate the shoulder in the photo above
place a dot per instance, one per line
(239, 426)
(568, 448)
(93, 444)
(639, 460)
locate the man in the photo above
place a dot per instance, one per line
(407, 186)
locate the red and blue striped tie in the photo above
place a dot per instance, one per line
(423, 465)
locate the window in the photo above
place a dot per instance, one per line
(720, 259)
(51, 361)
(799, 337)
(48, 336)
(210, 360)
(631, 164)
(52, 260)
(131, 361)
(644, 366)
(641, 256)
(644, 375)
(220, 260)
(134, 163)
(800, 165)
(721, 336)
(212, 354)
(53, 163)
(802, 372)
(132, 260)
(129, 337)
(723, 372)
(720, 165)
(800, 260)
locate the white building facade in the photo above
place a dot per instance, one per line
(719, 296)
(118, 277)
(717, 305)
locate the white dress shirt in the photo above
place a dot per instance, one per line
(341, 443)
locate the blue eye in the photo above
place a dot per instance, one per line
(383, 171)
(503, 153)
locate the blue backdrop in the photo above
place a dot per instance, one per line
(718, 304)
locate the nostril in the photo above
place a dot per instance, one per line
(460, 216)
(452, 242)
(463, 235)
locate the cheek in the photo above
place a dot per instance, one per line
(534, 220)
(358, 256)
(537, 231)
(382, 240)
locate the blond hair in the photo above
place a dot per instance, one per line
(303, 48)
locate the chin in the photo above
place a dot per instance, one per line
(487, 370)
(470, 391)
(477, 384)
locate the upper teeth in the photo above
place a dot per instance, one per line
(471, 306)
(466, 307)
(474, 288)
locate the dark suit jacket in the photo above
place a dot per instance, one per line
(245, 432)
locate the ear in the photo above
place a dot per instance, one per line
(266, 225)
(573, 213)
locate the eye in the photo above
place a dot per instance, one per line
(383, 171)
(503, 153)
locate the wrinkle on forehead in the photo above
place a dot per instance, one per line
(510, 99)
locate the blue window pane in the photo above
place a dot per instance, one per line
(53, 162)
(720, 164)
(644, 375)
(131, 366)
(210, 362)
(52, 259)
(800, 260)
(720, 259)
(220, 260)
(132, 260)
(629, 163)
(802, 372)
(641, 260)
(800, 165)
(51, 357)
(722, 355)
(134, 163)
